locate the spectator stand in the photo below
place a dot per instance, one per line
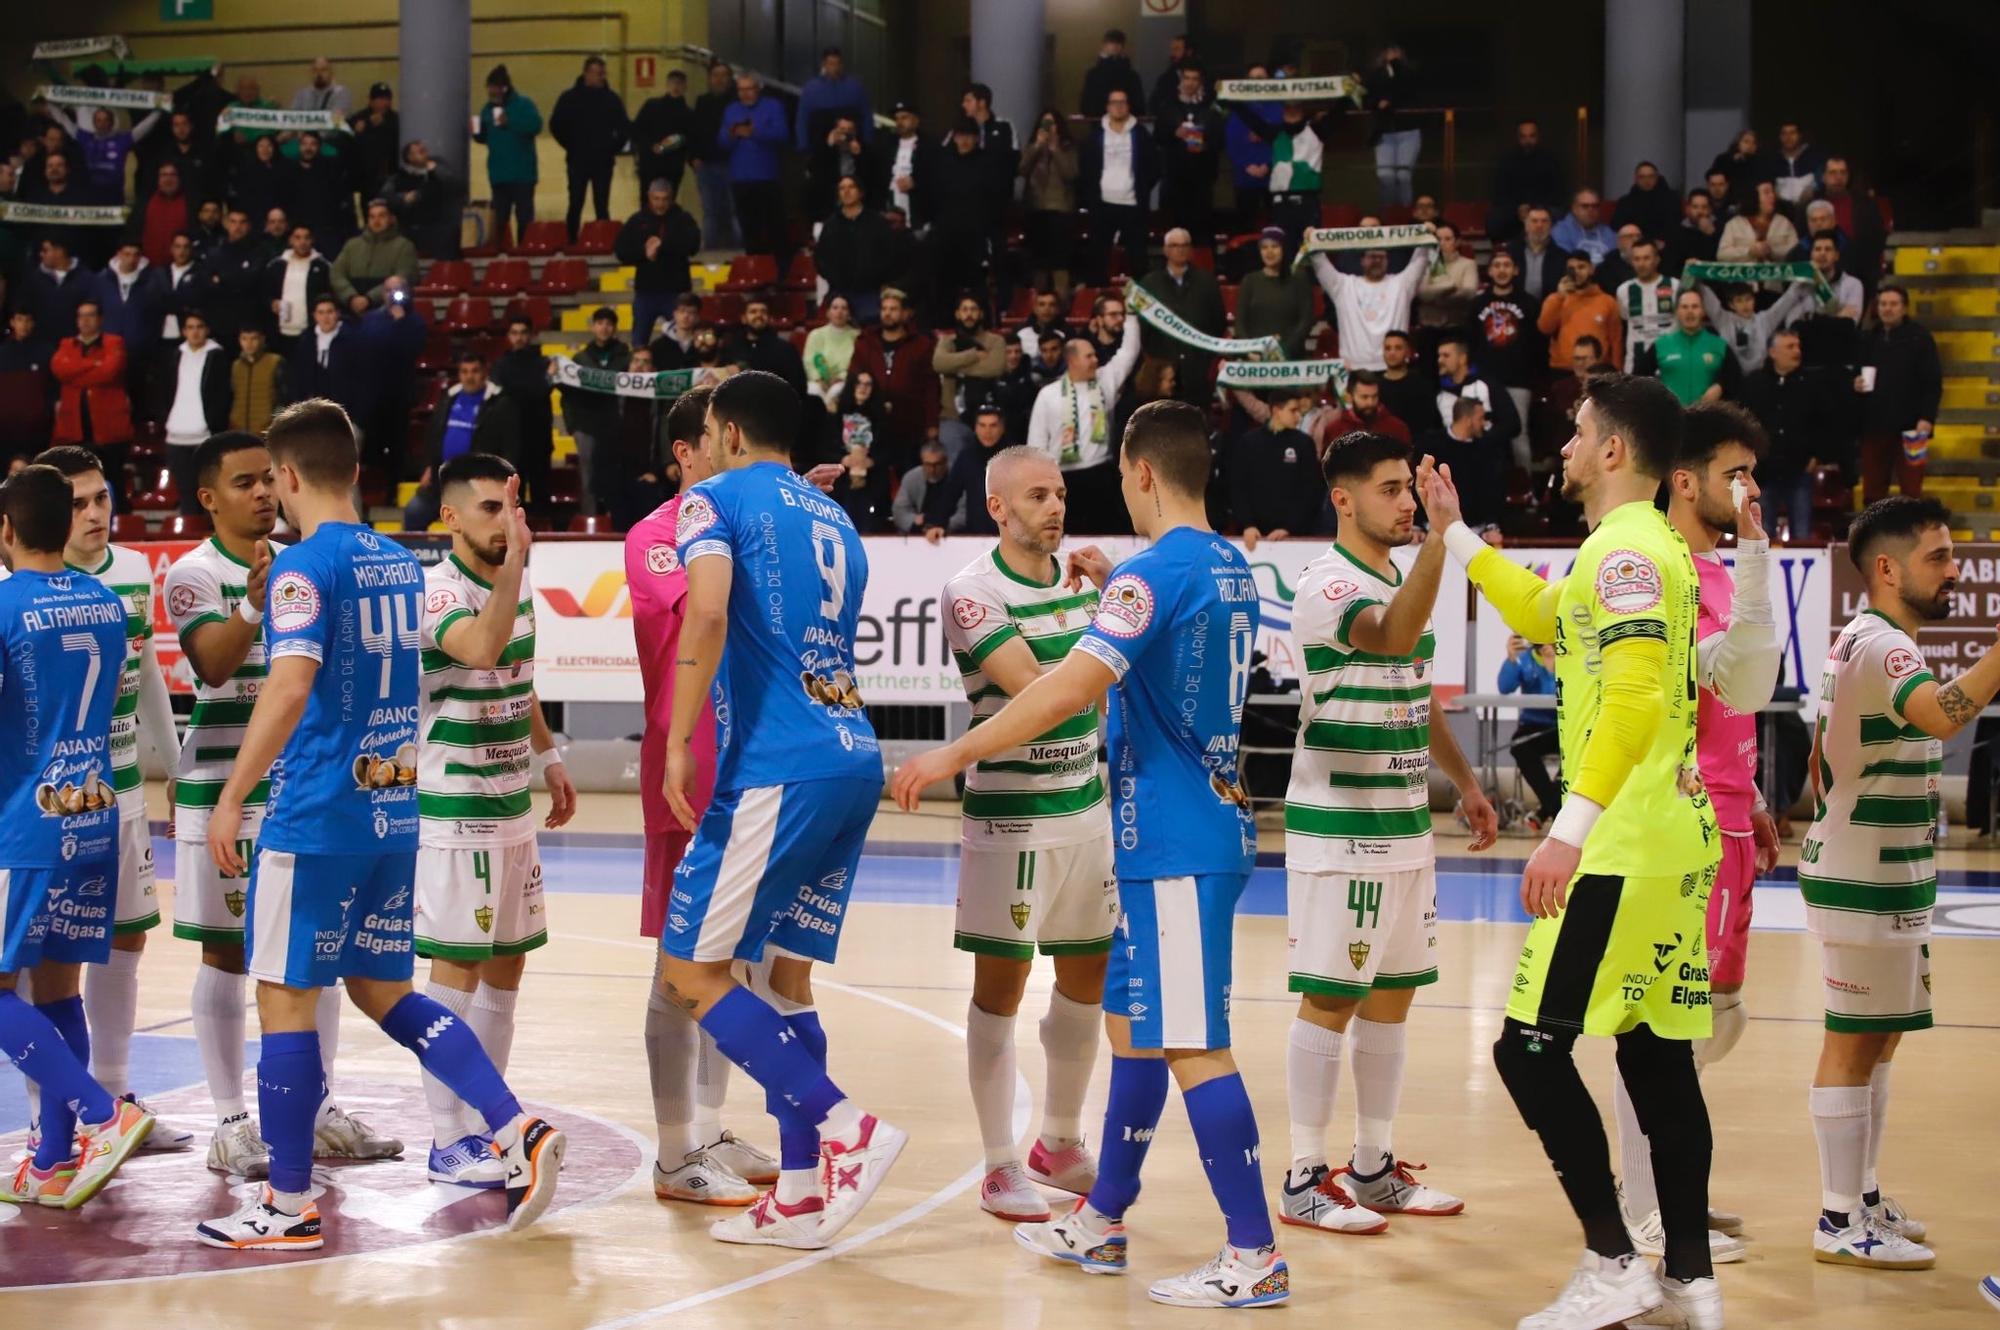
(1953, 278)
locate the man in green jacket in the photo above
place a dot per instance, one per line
(1689, 359)
(507, 125)
(380, 252)
(1276, 300)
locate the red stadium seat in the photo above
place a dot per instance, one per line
(504, 277)
(541, 238)
(535, 309)
(1202, 258)
(436, 356)
(723, 308)
(467, 314)
(1396, 214)
(184, 526)
(446, 278)
(595, 237)
(1229, 293)
(1020, 306)
(161, 494)
(1468, 215)
(803, 274)
(1339, 214)
(126, 527)
(750, 272)
(562, 277)
(1080, 302)
(565, 483)
(791, 308)
(593, 524)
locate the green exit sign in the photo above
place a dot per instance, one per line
(182, 11)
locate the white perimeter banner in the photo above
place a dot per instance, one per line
(585, 650)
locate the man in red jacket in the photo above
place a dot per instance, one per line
(94, 409)
(898, 354)
(167, 212)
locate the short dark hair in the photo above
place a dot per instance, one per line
(761, 405)
(1589, 339)
(521, 319)
(36, 499)
(1706, 426)
(1899, 517)
(1887, 288)
(471, 355)
(91, 301)
(1115, 35)
(590, 60)
(468, 467)
(316, 439)
(215, 449)
(70, 460)
(1364, 377)
(1172, 437)
(1642, 411)
(1462, 407)
(1458, 339)
(979, 91)
(1397, 332)
(830, 50)
(324, 298)
(686, 416)
(604, 312)
(1355, 455)
(1648, 242)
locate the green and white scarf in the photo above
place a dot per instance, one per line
(59, 214)
(1074, 395)
(1258, 375)
(122, 99)
(660, 385)
(76, 46)
(1147, 306)
(1721, 274)
(1329, 89)
(1334, 239)
(272, 118)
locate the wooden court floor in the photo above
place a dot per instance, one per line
(924, 1254)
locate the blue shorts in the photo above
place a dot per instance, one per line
(770, 864)
(56, 914)
(316, 918)
(1171, 959)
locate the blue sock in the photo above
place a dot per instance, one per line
(58, 1117)
(798, 1135)
(290, 1083)
(450, 1051)
(1225, 1131)
(34, 1044)
(759, 1040)
(1131, 1115)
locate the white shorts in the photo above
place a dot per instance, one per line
(1063, 900)
(474, 904)
(208, 903)
(1876, 990)
(138, 894)
(1352, 933)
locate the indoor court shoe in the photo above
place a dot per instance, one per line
(770, 1223)
(103, 1146)
(1083, 1238)
(1234, 1278)
(162, 1139)
(262, 1226)
(1604, 1291)
(32, 1186)
(1891, 1216)
(1396, 1191)
(468, 1161)
(742, 1160)
(533, 1161)
(1315, 1199)
(1072, 1169)
(1649, 1236)
(1868, 1244)
(1691, 1304)
(702, 1180)
(1725, 1221)
(1989, 1289)
(854, 1166)
(342, 1135)
(1007, 1194)
(237, 1149)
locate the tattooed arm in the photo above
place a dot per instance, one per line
(1942, 710)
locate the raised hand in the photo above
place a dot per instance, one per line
(1441, 499)
(1087, 562)
(260, 575)
(519, 537)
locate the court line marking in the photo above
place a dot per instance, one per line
(964, 1182)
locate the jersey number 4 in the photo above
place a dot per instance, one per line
(388, 622)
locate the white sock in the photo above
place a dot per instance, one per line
(842, 1120)
(111, 1007)
(672, 1038)
(493, 1021)
(1731, 1019)
(989, 1065)
(290, 1202)
(1635, 1155)
(1377, 1052)
(795, 1184)
(1071, 1032)
(449, 1114)
(1878, 1119)
(1312, 1075)
(327, 1017)
(1840, 1125)
(218, 1034)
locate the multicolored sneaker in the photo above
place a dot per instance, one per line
(1083, 1238)
(703, 1181)
(469, 1161)
(103, 1146)
(34, 1186)
(743, 1160)
(237, 1150)
(533, 1162)
(261, 1226)
(852, 1167)
(1315, 1199)
(164, 1138)
(769, 1222)
(1866, 1243)
(1007, 1194)
(1893, 1218)
(1649, 1238)
(1396, 1191)
(1073, 1168)
(1235, 1277)
(339, 1134)
(1604, 1290)
(1693, 1304)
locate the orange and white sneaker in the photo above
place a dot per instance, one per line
(33, 1186)
(103, 1146)
(533, 1161)
(261, 1226)
(1072, 1169)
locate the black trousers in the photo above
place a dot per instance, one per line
(517, 200)
(1530, 746)
(1126, 227)
(181, 460)
(597, 178)
(760, 213)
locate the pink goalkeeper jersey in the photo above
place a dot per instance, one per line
(1725, 738)
(658, 587)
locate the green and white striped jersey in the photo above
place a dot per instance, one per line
(1048, 792)
(130, 577)
(1360, 790)
(205, 586)
(1866, 868)
(472, 764)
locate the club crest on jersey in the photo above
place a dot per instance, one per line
(1357, 952)
(483, 916)
(968, 614)
(1627, 582)
(1126, 606)
(1339, 590)
(661, 559)
(1019, 911)
(233, 901)
(181, 600)
(696, 516)
(1902, 662)
(294, 602)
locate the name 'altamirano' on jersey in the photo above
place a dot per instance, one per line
(205, 586)
(473, 766)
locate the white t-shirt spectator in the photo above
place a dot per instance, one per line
(1366, 311)
(1117, 185)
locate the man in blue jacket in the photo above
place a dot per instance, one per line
(829, 95)
(1530, 670)
(753, 139)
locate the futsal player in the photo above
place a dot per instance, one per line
(775, 573)
(1175, 628)
(62, 646)
(699, 1159)
(1360, 865)
(1867, 868)
(1712, 493)
(480, 907)
(1035, 841)
(330, 893)
(1618, 890)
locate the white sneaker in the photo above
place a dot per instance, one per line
(768, 1223)
(533, 1163)
(1083, 1238)
(1725, 1221)
(237, 1149)
(1006, 1193)
(852, 1167)
(1317, 1200)
(1398, 1192)
(342, 1135)
(703, 1181)
(1868, 1244)
(261, 1226)
(1072, 1169)
(1233, 1278)
(469, 1161)
(1694, 1304)
(162, 1139)
(1604, 1291)
(1649, 1237)
(742, 1160)
(1989, 1289)
(1891, 1216)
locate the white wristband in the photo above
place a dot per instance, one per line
(1463, 542)
(249, 613)
(1572, 825)
(539, 763)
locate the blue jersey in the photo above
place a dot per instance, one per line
(62, 656)
(786, 708)
(346, 782)
(1176, 624)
